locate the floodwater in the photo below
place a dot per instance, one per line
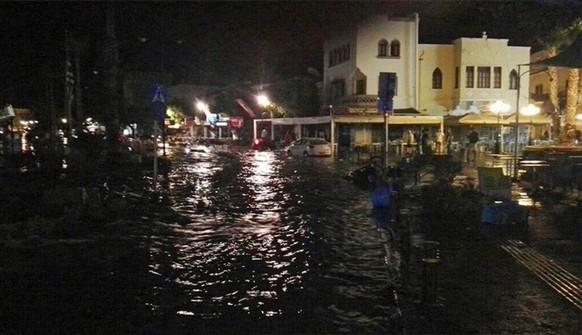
(266, 244)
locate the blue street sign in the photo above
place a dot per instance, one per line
(159, 94)
(384, 107)
(159, 110)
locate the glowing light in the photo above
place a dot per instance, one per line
(530, 110)
(263, 100)
(499, 107)
(201, 106)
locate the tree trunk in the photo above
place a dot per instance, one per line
(553, 73)
(571, 105)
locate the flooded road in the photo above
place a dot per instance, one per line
(265, 244)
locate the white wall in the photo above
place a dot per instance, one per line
(405, 31)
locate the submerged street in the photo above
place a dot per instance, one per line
(245, 241)
(264, 244)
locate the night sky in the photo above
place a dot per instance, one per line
(221, 42)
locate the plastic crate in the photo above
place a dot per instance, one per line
(504, 213)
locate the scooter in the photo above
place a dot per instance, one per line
(262, 144)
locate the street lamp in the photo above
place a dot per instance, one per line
(498, 108)
(201, 106)
(530, 111)
(518, 87)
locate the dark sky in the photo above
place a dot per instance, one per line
(223, 41)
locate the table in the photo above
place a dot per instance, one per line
(534, 165)
(503, 161)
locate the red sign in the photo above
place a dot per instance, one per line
(236, 121)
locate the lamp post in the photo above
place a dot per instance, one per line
(499, 107)
(203, 107)
(265, 102)
(518, 87)
(530, 111)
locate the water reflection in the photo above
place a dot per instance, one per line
(269, 237)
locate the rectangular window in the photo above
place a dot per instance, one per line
(497, 77)
(470, 72)
(483, 77)
(457, 77)
(539, 89)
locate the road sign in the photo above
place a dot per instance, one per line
(159, 111)
(385, 107)
(159, 94)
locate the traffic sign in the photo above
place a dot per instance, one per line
(159, 111)
(159, 94)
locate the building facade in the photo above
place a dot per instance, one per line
(354, 60)
(431, 79)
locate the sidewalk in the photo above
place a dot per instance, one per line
(482, 288)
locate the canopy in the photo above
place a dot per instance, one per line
(571, 57)
(535, 119)
(482, 119)
(392, 120)
(299, 120)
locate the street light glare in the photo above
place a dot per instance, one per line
(500, 107)
(263, 100)
(530, 110)
(201, 106)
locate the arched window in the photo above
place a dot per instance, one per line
(383, 48)
(437, 79)
(513, 80)
(395, 48)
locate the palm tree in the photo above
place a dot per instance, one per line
(555, 39)
(572, 93)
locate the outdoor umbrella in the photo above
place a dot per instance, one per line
(482, 119)
(534, 119)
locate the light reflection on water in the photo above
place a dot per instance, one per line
(271, 237)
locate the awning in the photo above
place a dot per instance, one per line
(482, 119)
(245, 108)
(535, 119)
(392, 120)
(298, 120)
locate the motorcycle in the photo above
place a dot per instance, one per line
(262, 144)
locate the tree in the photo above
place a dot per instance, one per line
(298, 96)
(552, 42)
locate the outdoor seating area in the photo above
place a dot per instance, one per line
(494, 183)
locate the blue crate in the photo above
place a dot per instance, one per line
(504, 213)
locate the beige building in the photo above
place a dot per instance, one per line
(353, 61)
(431, 79)
(471, 72)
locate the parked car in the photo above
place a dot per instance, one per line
(309, 146)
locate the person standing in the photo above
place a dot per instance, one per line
(472, 146)
(449, 141)
(425, 143)
(287, 138)
(439, 142)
